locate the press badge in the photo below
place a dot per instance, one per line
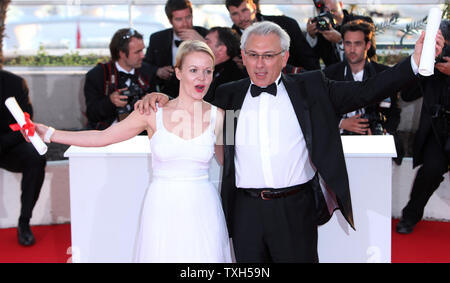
(386, 103)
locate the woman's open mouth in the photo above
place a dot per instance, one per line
(200, 88)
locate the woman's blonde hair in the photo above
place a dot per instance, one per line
(190, 46)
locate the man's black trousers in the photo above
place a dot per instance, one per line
(428, 179)
(276, 230)
(23, 158)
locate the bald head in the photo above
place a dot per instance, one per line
(335, 8)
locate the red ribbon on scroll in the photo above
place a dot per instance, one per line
(28, 125)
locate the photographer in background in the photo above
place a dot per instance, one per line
(163, 44)
(224, 43)
(244, 13)
(432, 140)
(376, 119)
(111, 89)
(324, 31)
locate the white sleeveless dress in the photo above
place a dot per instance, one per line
(182, 218)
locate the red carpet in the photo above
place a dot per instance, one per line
(52, 244)
(430, 242)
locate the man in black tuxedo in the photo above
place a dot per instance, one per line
(432, 140)
(281, 136)
(224, 42)
(163, 45)
(327, 44)
(357, 38)
(243, 13)
(17, 155)
(112, 88)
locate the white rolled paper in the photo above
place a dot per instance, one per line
(16, 111)
(426, 67)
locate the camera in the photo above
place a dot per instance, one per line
(134, 93)
(325, 19)
(376, 121)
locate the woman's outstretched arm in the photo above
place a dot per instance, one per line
(134, 124)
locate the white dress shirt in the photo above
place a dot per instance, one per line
(270, 147)
(128, 82)
(174, 48)
(120, 69)
(358, 77)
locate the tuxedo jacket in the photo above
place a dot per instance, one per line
(12, 85)
(100, 111)
(159, 54)
(336, 72)
(435, 89)
(317, 102)
(300, 52)
(159, 51)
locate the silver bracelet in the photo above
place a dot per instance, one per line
(49, 134)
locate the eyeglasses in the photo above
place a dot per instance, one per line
(253, 56)
(131, 32)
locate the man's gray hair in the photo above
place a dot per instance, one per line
(266, 28)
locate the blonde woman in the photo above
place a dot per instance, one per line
(182, 218)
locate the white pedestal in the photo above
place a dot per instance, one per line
(107, 187)
(369, 166)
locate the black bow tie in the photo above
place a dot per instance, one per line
(256, 90)
(178, 42)
(125, 76)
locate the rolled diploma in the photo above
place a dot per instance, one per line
(426, 67)
(16, 111)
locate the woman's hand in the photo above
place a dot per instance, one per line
(40, 129)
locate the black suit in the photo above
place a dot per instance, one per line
(300, 53)
(429, 143)
(159, 54)
(317, 102)
(16, 154)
